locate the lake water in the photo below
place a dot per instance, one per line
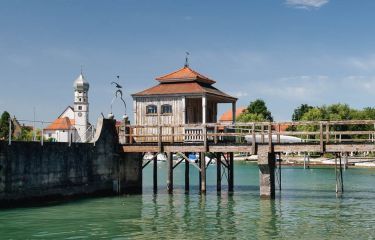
(307, 208)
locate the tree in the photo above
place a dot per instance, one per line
(26, 134)
(300, 111)
(256, 111)
(4, 126)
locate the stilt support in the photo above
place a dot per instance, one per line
(230, 173)
(203, 172)
(338, 173)
(218, 172)
(155, 173)
(170, 172)
(187, 176)
(266, 164)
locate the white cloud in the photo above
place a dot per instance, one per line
(306, 4)
(240, 94)
(299, 88)
(364, 63)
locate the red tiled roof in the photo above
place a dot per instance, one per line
(185, 74)
(183, 88)
(61, 124)
(227, 116)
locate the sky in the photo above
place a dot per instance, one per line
(286, 52)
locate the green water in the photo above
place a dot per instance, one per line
(307, 208)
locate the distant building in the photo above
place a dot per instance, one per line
(73, 123)
(181, 97)
(227, 117)
(17, 128)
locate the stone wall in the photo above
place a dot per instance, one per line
(31, 172)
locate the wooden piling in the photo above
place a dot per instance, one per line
(203, 172)
(155, 173)
(187, 176)
(218, 172)
(230, 173)
(170, 172)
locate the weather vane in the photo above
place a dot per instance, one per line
(187, 59)
(118, 93)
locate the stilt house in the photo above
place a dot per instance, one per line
(181, 97)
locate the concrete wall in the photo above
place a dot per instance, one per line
(29, 171)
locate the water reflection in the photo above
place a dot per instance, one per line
(307, 209)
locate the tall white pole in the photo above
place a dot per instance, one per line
(41, 135)
(34, 133)
(10, 131)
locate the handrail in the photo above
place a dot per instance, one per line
(321, 131)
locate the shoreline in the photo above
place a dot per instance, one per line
(320, 162)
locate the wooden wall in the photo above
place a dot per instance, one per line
(141, 118)
(193, 115)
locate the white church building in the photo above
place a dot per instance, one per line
(73, 124)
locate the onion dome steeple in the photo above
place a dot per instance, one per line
(80, 83)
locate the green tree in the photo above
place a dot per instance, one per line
(256, 111)
(4, 126)
(300, 111)
(26, 134)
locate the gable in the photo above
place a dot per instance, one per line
(68, 112)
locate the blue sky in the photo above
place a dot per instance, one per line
(286, 52)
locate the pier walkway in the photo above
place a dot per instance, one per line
(264, 139)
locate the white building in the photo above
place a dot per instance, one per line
(73, 123)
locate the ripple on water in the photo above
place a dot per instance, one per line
(306, 208)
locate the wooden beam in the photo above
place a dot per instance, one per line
(230, 148)
(184, 148)
(138, 148)
(355, 147)
(296, 148)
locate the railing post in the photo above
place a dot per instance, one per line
(278, 133)
(327, 132)
(321, 137)
(10, 131)
(160, 137)
(130, 135)
(125, 141)
(270, 137)
(262, 133)
(215, 136)
(253, 139)
(172, 133)
(205, 137)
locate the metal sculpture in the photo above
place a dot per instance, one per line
(118, 93)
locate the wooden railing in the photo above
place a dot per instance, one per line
(260, 132)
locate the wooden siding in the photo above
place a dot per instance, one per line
(141, 118)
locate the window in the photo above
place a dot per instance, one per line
(151, 109)
(79, 107)
(80, 99)
(166, 108)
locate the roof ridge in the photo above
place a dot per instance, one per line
(171, 73)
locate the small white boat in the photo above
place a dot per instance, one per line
(160, 157)
(283, 138)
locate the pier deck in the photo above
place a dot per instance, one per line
(261, 138)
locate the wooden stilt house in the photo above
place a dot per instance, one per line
(184, 97)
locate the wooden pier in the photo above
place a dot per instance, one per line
(259, 138)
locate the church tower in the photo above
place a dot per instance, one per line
(81, 107)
